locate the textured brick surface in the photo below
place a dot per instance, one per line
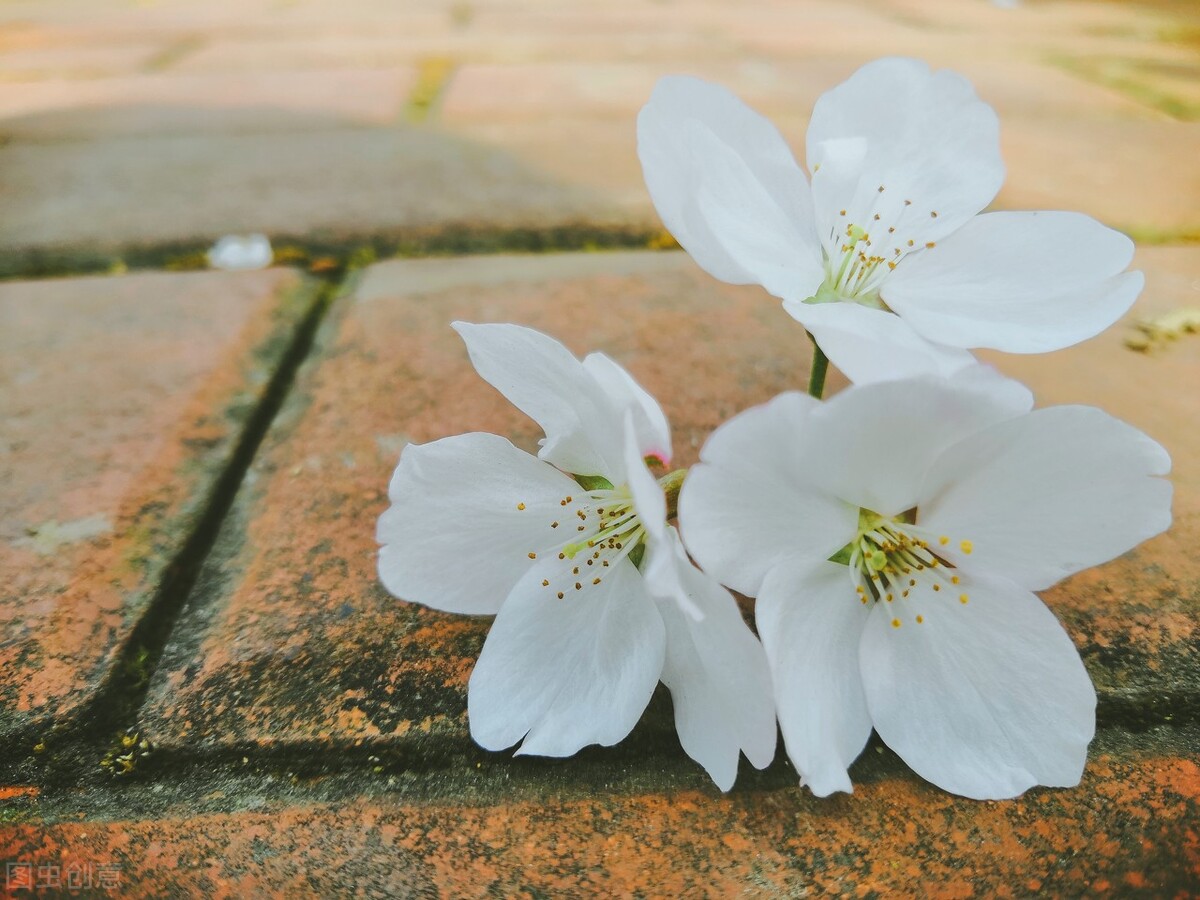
(121, 401)
(295, 640)
(290, 637)
(134, 124)
(1128, 830)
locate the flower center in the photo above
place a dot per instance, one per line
(892, 560)
(602, 527)
(865, 245)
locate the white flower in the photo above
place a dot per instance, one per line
(893, 536)
(582, 635)
(241, 252)
(884, 258)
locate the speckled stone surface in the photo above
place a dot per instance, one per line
(290, 638)
(121, 401)
(1129, 830)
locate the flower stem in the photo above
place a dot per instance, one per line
(820, 365)
(670, 484)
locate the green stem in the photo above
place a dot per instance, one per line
(820, 365)
(670, 484)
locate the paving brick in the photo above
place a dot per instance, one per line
(353, 94)
(292, 639)
(325, 179)
(122, 401)
(1128, 175)
(1129, 830)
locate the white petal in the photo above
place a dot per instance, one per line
(923, 136)
(567, 673)
(1024, 282)
(984, 699)
(650, 424)
(811, 621)
(728, 188)
(871, 445)
(454, 537)
(648, 497)
(1048, 494)
(751, 503)
(873, 344)
(545, 381)
(715, 669)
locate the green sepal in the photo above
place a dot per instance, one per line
(593, 482)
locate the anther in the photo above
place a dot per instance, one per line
(954, 579)
(963, 598)
(545, 582)
(920, 619)
(943, 540)
(967, 547)
(578, 586)
(560, 595)
(532, 555)
(562, 502)
(595, 581)
(575, 571)
(933, 214)
(930, 244)
(895, 623)
(562, 556)
(936, 586)
(520, 506)
(553, 524)
(581, 528)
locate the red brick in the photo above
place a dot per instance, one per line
(1128, 830)
(123, 400)
(297, 642)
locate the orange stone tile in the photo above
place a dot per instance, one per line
(292, 639)
(1128, 830)
(122, 401)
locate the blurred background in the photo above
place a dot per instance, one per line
(138, 131)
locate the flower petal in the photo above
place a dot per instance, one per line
(567, 673)
(750, 503)
(728, 188)
(652, 432)
(455, 537)
(871, 445)
(811, 621)
(917, 148)
(1048, 494)
(714, 667)
(1024, 282)
(984, 699)
(874, 345)
(545, 381)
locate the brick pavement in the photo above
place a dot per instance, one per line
(303, 733)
